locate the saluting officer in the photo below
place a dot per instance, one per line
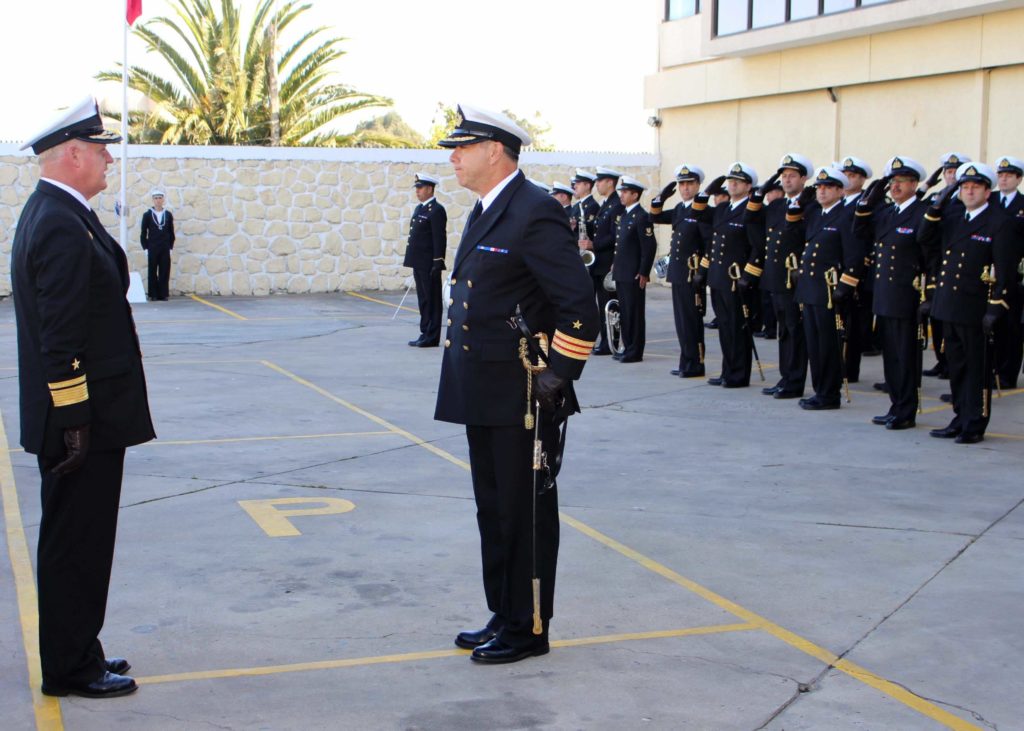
(635, 248)
(830, 249)
(898, 265)
(157, 238)
(966, 242)
(518, 254)
(689, 245)
(1008, 330)
(563, 194)
(605, 227)
(772, 265)
(83, 396)
(863, 338)
(728, 253)
(585, 208)
(428, 239)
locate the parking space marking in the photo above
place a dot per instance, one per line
(46, 709)
(225, 310)
(233, 440)
(274, 521)
(430, 655)
(995, 400)
(382, 302)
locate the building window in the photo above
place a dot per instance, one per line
(737, 16)
(676, 9)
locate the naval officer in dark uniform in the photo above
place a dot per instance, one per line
(1008, 331)
(563, 194)
(635, 248)
(518, 255)
(157, 238)
(689, 244)
(898, 266)
(965, 242)
(863, 336)
(424, 254)
(83, 396)
(603, 244)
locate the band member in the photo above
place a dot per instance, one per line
(772, 266)
(864, 338)
(83, 396)
(563, 194)
(1008, 330)
(603, 243)
(635, 248)
(689, 244)
(728, 253)
(898, 265)
(518, 256)
(966, 243)
(831, 255)
(428, 239)
(157, 238)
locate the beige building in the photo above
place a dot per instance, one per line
(871, 78)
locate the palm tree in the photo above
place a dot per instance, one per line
(233, 87)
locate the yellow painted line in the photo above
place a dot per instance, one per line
(232, 440)
(427, 655)
(1003, 436)
(995, 401)
(274, 522)
(47, 709)
(855, 671)
(225, 310)
(372, 417)
(197, 321)
(381, 302)
(235, 361)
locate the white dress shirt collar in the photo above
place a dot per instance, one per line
(488, 199)
(68, 189)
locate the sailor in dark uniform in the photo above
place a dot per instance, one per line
(688, 246)
(722, 266)
(83, 396)
(966, 243)
(772, 267)
(863, 336)
(898, 287)
(424, 254)
(563, 194)
(830, 250)
(635, 248)
(1008, 331)
(157, 238)
(518, 256)
(605, 226)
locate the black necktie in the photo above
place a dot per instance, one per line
(967, 217)
(1006, 202)
(475, 213)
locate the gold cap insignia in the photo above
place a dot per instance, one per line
(848, 162)
(822, 175)
(787, 159)
(953, 159)
(971, 171)
(1004, 163)
(686, 171)
(737, 168)
(897, 164)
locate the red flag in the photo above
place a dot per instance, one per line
(134, 10)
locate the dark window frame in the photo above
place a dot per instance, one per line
(857, 5)
(696, 11)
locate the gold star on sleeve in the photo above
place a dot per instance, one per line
(577, 325)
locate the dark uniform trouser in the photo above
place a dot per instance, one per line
(632, 304)
(76, 550)
(689, 328)
(860, 326)
(900, 348)
(769, 318)
(732, 335)
(823, 352)
(792, 343)
(965, 354)
(603, 296)
(1008, 334)
(159, 272)
(501, 461)
(428, 294)
(938, 340)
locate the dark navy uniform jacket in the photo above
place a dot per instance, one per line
(729, 241)
(156, 238)
(428, 236)
(79, 360)
(898, 259)
(520, 251)
(635, 245)
(689, 237)
(828, 242)
(769, 248)
(604, 234)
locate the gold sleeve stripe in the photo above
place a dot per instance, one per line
(70, 396)
(570, 353)
(570, 347)
(864, 213)
(794, 217)
(932, 218)
(699, 206)
(755, 270)
(999, 302)
(705, 262)
(847, 279)
(751, 206)
(66, 384)
(568, 339)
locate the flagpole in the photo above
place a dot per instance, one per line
(123, 238)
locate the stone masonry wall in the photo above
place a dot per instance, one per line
(257, 221)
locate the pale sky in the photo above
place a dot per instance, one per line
(581, 63)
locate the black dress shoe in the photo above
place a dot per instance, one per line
(898, 424)
(109, 685)
(966, 438)
(117, 665)
(816, 404)
(759, 334)
(717, 381)
(713, 325)
(601, 351)
(882, 420)
(870, 353)
(496, 652)
(471, 640)
(726, 384)
(694, 374)
(770, 390)
(769, 335)
(883, 387)
(933, 371)
(676, 372)
(630, 359)
(617, 356)
(426, 344)
(946, 398)
(947, 433)
(417, 342)
(780, 394)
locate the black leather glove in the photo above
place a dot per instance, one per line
(933, 179)
(664, 195)
(940, 202)
(76, 442)
(842, 293)
(806, 196)
(715, 186)
(547, 389)
(698, 280)
(767, 186)
(743, 284)
(436, 266)
(924, 310)
(988, 322)
(875, 192)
